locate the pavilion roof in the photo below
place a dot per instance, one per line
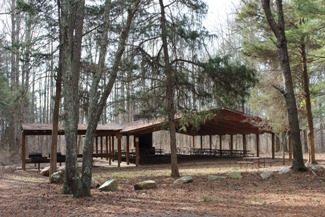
(223, 121)
(46, 129)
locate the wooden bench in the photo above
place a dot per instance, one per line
(245, 163)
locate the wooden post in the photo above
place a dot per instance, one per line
(220, 144)
(136, 151)
(96, 138)
(127, 150)
(257, 145)
(231, 144)
(201, 142)
(23, 152)
(193, 141)
(273, 145)
(110, 150)
(101, 147)
(106, 143)
(244, 145)
(119, 149)
(210, 140)
(113, 149)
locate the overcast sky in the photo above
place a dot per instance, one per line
(218, 12)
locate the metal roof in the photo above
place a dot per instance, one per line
(46, 129)
(223, 121)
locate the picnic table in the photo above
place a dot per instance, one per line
(259, 160)
(219, 152)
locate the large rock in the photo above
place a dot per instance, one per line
(109, 185)
(45, 171)
(234, 175)
(284, 170)
(148, 184)
(266, 175)
(183, 180)
(94, 183)
(213, 177)
(57, 177)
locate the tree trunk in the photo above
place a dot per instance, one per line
(56, 111)
(71, 24)
(97, 102)
(321, 133)
(279, 32)
(169, 93)
(310, 124)
(305, 141)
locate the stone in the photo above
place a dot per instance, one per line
(284, 170)
(234, 175)
(315, 167)
(109, 185)
(213, 177)
(266, 175)
(183, 180)
(148, 184)
(45, 171)
(57, 177)
(94, 183)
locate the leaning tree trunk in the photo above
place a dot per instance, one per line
(169, 94)
(310, 124)
(97, 102)
(278, 28)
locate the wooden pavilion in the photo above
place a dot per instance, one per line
(104, 137)
(223, 122)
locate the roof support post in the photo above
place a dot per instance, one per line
(210, 140)
(136, 140)
(101, 147)
(193, 141)
(106, 144)
(220, 144)
(273, 145)
(113, 149)
(96, 140)
(201, 142)
(119, 149)
(127, 149)
(244, 145)
(110, 150)
(257, 145)
(23, 152)
(231, 144)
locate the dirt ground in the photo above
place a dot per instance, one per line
(294, 194)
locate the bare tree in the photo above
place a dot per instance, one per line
(71, 25)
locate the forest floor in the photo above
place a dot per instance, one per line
(293, 194)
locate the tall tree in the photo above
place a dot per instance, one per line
(169, 92)
(71, 26)
(56, 109)
(278, 28)
(259, 46)
(98, 99)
